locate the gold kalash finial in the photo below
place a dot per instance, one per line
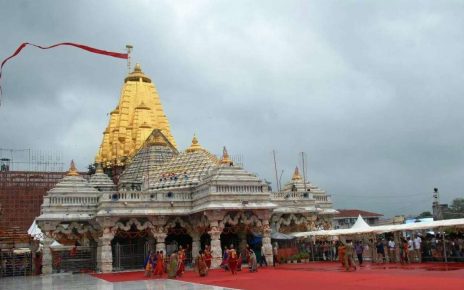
(195, 146)
(225, 157)
(72, 170)
(296, 174)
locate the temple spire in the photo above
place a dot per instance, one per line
(195, 146)
(72, 170)
(133, 119)
(225, 157)
(296, 175)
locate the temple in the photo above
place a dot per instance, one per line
(166, 198)
(137, 114)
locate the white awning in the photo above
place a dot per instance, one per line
(366, 229)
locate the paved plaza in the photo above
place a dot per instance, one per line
(317, 275)
(87, 282)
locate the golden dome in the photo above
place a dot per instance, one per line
(137, 75)
(195, 146)
(296, 175)
(225, 157)
(72, 170)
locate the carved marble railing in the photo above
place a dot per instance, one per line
(74, 200)
(148, 196)
(291, 195)
(322, 198)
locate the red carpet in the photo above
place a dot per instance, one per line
(327, 276)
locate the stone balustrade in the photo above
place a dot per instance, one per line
(322, 198)
(73, 200)
(291, 195)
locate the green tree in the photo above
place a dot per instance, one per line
(456, 209)
(425, 214)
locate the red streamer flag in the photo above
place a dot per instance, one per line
(84, 47)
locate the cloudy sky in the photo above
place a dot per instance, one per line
(371, 91)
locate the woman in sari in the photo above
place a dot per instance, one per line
(172, 267)
(253, 264)
(200, 264)
(181, 262)
(149, 264)
(232, 260)
(159, 268)
(208, 256)
(225, 259)
(341, 253)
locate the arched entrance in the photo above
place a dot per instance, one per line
(177, 237)
(130, 248)
(229, 236)
(205, 239)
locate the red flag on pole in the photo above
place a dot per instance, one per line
(84, 47)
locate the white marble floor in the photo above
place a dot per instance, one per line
(87, 282)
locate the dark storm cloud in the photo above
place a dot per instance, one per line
(372, 92)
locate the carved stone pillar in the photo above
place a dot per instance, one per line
(216, 250)
(160, 237)
(196, 244)
(267, 242)
(151, 244)
(47, 266)
(105, 257)
(243, 241)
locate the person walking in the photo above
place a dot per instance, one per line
(200, 264)
(172, 267)
(149, 264)
(359, 248)
(275, 255)
(262, 259)
(159, 268)
(380, 252)
(349, 253)
(417, 248)
(232, 260)
(253, 264)
(391, 250)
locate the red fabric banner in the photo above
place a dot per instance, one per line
(84, 47)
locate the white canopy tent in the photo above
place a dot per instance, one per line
(361, 227)
(35, 232)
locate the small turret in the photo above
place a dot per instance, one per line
(72, 170)
(296, 175)
(225, 157)
(195, 146)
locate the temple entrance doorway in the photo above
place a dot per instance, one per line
(229, 236)
(130, 248)
(205, 240)
(177, 237)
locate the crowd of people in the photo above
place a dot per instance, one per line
(156, 264)
(384, 249)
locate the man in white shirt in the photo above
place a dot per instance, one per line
(411, 252)
(417, 249)
(391, 250)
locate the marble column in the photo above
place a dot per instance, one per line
(47, 263)
(160, 241)
(151, 244)
(267, 242)
(196, 244)
(105, 259)
(216, 250)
